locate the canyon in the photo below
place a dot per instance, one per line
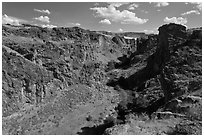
(61, 80)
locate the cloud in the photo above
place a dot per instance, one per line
(75, 24)
(133, 6)
(117, 4)
(176, 20)
(198, 5)
(43, 19)
(148, 31)
(105, 21)
(42, 11)
(12, 20)
(144, 11)
(48, 26)
(96, 4)
(191, 12)
(112, 14)
(161, 4)
(152, 31)
(120, 30)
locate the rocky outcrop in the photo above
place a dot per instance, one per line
(23, 82)
(145, 45)
(128, 44)
(159, 83)
(53, 76)
(162, 83)
(157, 61)
(172, 37)
(142, 47)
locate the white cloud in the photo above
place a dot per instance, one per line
(105, 21)
(191, 12)
(148, 31)
(96, 4)
(117, 4)
(161, 4)
(43, 19)
(152, 31)
(144, 11)
(176, 20)
(112, 14)
(75, 24)
(120, 30)
(11, 20)
(133, 6)
(42, 11)
(198, 5)
(48, 26)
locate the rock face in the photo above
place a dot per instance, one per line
(76, 81)
(129, 44)
(156, 61)
(168, 73)
(172, 38)
(23, 81)
(53, 76)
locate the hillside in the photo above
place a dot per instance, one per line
(76, 81)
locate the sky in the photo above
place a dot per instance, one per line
(108, 16)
